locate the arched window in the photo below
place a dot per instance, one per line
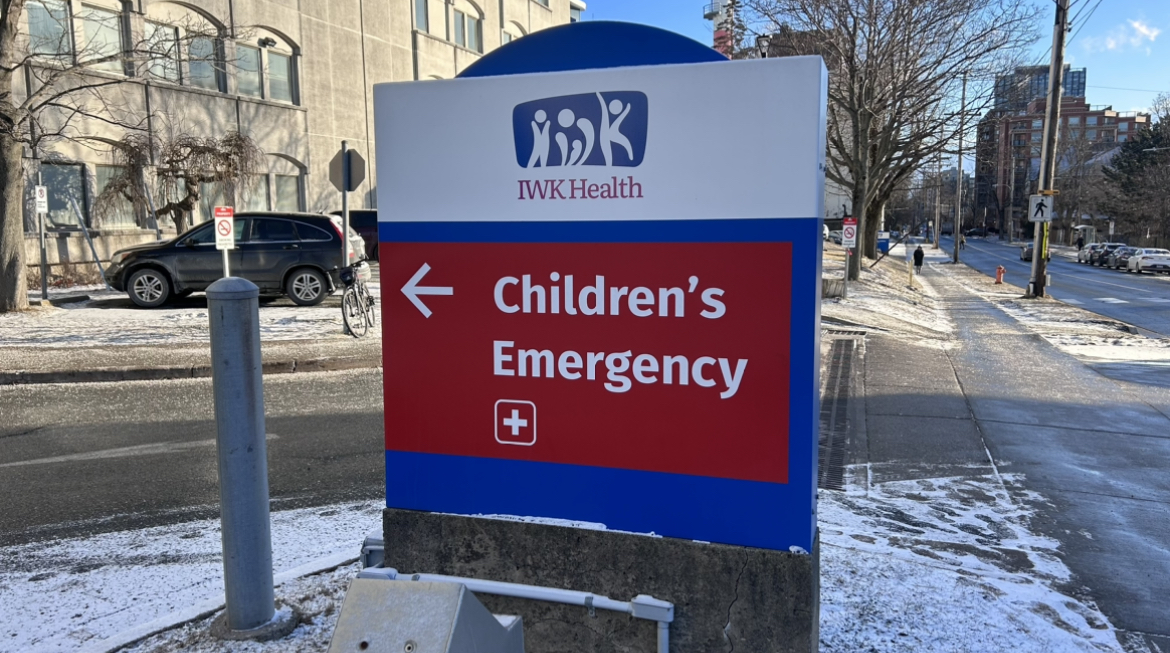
(467, 26)
(266, 67)
(184, 46)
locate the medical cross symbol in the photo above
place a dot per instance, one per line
(516, 422)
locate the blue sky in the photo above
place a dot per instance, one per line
(1124, 44)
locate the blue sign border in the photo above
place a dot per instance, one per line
(748, 513)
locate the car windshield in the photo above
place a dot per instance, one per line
(1157, 252)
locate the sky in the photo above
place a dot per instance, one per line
(1124, 44)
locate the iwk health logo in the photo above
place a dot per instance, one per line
(590, 129)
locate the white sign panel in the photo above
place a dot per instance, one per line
(1040, 208)
(41, 195)
(849, 233)
(225, 237)
(671, 142)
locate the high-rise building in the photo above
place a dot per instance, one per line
(1016, 89)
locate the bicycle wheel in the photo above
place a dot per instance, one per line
(371, 312)
(353, 312)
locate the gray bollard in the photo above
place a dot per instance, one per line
(234, 313)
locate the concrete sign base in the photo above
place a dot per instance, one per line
(756, 600)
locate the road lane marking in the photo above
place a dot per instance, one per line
(1112, 300)
(123, 452)
(1072, 301)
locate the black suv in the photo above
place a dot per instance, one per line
(295, 254)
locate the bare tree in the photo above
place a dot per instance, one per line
(50, 84)
(895, 69)
(184, 163)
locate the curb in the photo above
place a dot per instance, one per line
(114, 374)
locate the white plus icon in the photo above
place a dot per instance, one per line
(515, 422)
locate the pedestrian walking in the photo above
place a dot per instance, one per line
(962, 241)
(1080, 242)
(918, 256)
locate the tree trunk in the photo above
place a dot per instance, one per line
(13, 282)
(873, 220)
(857, 211)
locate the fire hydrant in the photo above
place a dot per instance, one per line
(999, 272)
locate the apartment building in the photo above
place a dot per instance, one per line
(1008, 148)
(295, 75)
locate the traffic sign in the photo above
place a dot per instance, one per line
(41, 196)
(347, 177)
(849, 232)
(225, 227)
(1040, 208)
(594, 324)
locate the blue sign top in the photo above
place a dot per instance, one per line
(591, 44)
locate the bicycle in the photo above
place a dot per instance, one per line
(357, 304)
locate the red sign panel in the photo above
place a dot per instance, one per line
(667, 357)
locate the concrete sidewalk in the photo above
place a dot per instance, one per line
(180, 361)
(996, 399)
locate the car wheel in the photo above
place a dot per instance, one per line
(149, 288)
(306, 287)
(1139, 268)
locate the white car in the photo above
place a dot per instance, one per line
(1149, 259)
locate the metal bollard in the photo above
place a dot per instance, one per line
(234, 313)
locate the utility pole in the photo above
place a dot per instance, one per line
(937, 197)
(1048, 150)
(959, 177)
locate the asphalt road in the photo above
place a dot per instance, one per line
(1140, 300)
(97, 457)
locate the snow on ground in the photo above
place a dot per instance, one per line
(106, 319)
(886, 297)
(947, 565)
(60, 595)
(1076, 331)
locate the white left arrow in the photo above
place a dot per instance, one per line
(412, 290)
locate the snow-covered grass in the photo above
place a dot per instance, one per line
(105, 320)
(61, 595)
(887, 297)
(947, 564)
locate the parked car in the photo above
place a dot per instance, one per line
(977, 232)
(1119, 258)
(1087, 251)
(1026, 253)
(1101, 255)
(826, 227)
(835, 236)
(1149, 259)
(365, 223)
(294, 254)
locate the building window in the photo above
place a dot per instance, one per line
(420, 15)
(1091, 134)
(543, 3)
(103, 39)
(163, 44)
(280, 77)
(505, 38)
(48, 28)
(468, 31)
(66, 184)
(256, 193)
(1038, 124)
(1110, 120)
(1123, 126)
(1074, 120)
(248, 80)
(203, 64)
(211, 195)
(574, 15)
(1035, 136)
(1074, 133)
(1121, 138)
(1107, 136)
(1091, 120)
(287, 195)
(119, 212)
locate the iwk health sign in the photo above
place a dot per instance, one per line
(601, 296)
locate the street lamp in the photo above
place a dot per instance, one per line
(762, 43)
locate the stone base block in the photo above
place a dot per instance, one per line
(725, 597)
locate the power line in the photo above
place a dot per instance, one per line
(1082, 24)
(1139, 90)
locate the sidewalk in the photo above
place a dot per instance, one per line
(106, 338)
(992, 399)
